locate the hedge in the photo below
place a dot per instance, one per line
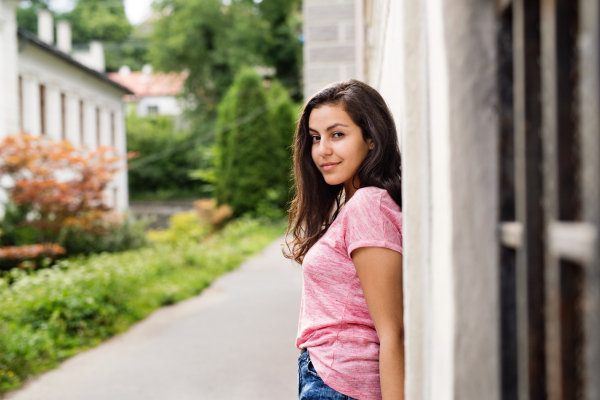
(55, 313)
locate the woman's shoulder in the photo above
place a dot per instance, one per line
(373, 196)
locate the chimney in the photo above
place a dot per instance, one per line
(63, 36)
(124, 70)
(45, 26)
(97, 56)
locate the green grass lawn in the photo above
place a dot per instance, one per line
(55, 313)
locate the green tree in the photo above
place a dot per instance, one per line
(211, 40)
(254, 129)
(283, 122)
(99, 20)
(282, 48)
(27, 14)
(172, 154)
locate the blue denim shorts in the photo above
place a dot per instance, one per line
(311, 386)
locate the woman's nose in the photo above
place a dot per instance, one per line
(324, 148)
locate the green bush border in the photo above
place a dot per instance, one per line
(53, 314)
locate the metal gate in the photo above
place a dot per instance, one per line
(549, 107)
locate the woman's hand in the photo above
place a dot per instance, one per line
(380, 273)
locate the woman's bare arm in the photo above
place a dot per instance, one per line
(380, 273)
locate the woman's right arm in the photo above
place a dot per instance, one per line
(380, 273)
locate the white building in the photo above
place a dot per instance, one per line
(153, 93)
(498, 109)
(45, 91)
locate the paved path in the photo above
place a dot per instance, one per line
(233, 342)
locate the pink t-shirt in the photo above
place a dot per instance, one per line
(335, 324)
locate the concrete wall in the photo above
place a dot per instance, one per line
(329, 43)
(433, 61)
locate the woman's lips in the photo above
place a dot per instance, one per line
(329, 166)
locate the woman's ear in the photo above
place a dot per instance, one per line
(370, 143)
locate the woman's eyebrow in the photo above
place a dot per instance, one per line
(328, 129)
(336, 125)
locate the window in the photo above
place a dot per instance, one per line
(63, 116)
(21, 103)
(81, 122)
(152, 110)
(42, 109)
(98, 133)
(549, 101)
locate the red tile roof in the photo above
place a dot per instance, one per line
(158, 84)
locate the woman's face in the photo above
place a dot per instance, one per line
(338, 147)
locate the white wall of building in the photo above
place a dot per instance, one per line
(9, 120)
(36, 66)
(165, 105)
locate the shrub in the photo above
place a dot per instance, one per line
(195, 224)
(252, 159)
(183, 225)
(123, 235)
(51, 314)
(58, 184)
(176, 154)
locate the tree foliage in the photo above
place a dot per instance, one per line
(167, 176)
(99, 20)
(214, 41)
(211, 40)
(255, 125)
(56, 186)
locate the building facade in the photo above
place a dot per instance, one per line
(45, 91)
(497, 105)
(154, 93)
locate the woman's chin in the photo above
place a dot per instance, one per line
(332, 181)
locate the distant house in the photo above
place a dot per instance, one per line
(153, 93)
(49, 90)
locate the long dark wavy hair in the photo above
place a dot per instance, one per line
(316, 203)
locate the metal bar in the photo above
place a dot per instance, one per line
(502, 5)
(549, 134)
(589, 100)
(573, 241)
(528, 189)
(511, 234)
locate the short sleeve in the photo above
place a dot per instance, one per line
(373, 219)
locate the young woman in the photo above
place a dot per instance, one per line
(346, 228)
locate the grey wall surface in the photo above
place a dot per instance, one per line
(329, 43)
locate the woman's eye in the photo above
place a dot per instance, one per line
(316, 138)
(338, 134)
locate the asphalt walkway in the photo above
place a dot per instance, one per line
(233, 342)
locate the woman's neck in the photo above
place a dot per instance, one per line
(351, 187)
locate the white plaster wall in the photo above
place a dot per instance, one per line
(36, 67)
(9, 118)
(53, 112)
(442, 295)
(167, 105)
(433, 62)
(32, 122)
(105, 127)
(72, 117)
(89, 124)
